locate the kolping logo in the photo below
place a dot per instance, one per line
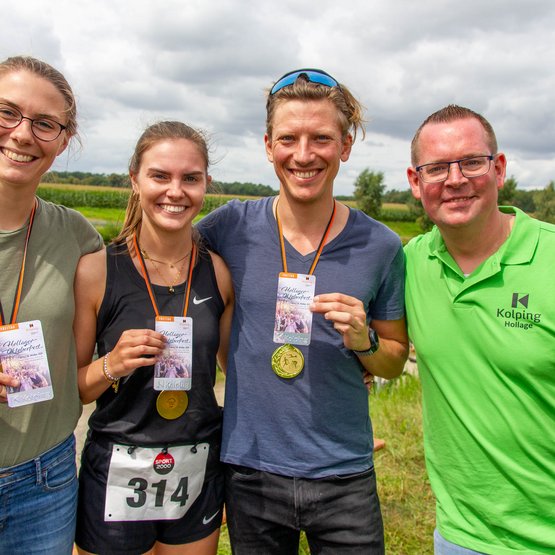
(519, 316)
(522, 300)
(163, 463)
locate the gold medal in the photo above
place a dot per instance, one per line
(172, 404)
(287, 361)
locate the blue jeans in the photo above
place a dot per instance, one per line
(38, 503)
(266, 512)
(444, 547)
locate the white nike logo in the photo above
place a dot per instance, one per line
(211, 518)
(200, 301)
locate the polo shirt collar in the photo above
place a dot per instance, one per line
(519, 247)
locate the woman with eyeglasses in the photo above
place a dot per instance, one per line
(158, 307)
(297, 436)
(40, 246)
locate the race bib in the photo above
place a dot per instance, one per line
(145, 483)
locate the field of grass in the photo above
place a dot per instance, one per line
(405, 494)
(109, 220)
(405, 230)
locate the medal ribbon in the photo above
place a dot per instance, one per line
(19, 289)
(147, 278)
(320, 246)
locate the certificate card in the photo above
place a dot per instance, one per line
(173, 371)
(23, 356)
(293, 322)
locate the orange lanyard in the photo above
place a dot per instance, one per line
(18, 291)
(320, 246)
(147, 278)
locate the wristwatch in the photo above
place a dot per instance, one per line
(374, 344)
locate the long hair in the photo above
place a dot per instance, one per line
(160, 131)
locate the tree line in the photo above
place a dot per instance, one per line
(121, 180)
(370, 194)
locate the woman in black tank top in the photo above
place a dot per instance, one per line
(157, 307)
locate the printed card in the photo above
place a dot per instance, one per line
(174, 371)
(23, 356)
(293, 322)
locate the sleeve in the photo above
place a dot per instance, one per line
(389, 303)
(88, 239)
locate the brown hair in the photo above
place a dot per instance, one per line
(46, 71)
(160, 131)
(450, 113)
(349, 109)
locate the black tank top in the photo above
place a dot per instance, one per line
(130, 416)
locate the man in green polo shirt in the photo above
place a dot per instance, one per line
(480, 304)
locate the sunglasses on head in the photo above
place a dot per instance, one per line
(313, 76)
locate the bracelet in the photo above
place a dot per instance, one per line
(107, 375)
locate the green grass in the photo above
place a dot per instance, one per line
(407, 502)
(104, 215)
(405, 230)
(406, 498)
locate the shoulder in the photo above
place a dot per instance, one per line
(419, 244)
(91, 266)
(72, 224)
(91, 269)
(233, 209)
(376, 231)
(231, 220)
(61, 213)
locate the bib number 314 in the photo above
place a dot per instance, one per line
(145, 484)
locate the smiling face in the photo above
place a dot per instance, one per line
(458, 201)
(23, 157)
(171, 184)
(306, 148)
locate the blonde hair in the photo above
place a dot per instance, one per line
(51, 74)
(349, 109)
(153, 134)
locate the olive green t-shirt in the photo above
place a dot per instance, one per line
(59, 238)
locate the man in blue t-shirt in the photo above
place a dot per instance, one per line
(297, 435)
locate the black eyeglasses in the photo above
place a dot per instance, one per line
(436, 172)
(313, 75)
(45, 129)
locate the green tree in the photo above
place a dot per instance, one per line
(545, 203)
(525, 201)
(507, 193)
(369, 188)
(420, 217)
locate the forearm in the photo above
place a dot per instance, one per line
(388, 361)
(93, 382)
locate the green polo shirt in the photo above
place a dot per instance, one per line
(485, 346)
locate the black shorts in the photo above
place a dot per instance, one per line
(126, 538)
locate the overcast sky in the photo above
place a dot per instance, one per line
(208, 63)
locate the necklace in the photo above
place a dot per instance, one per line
(172, 265)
